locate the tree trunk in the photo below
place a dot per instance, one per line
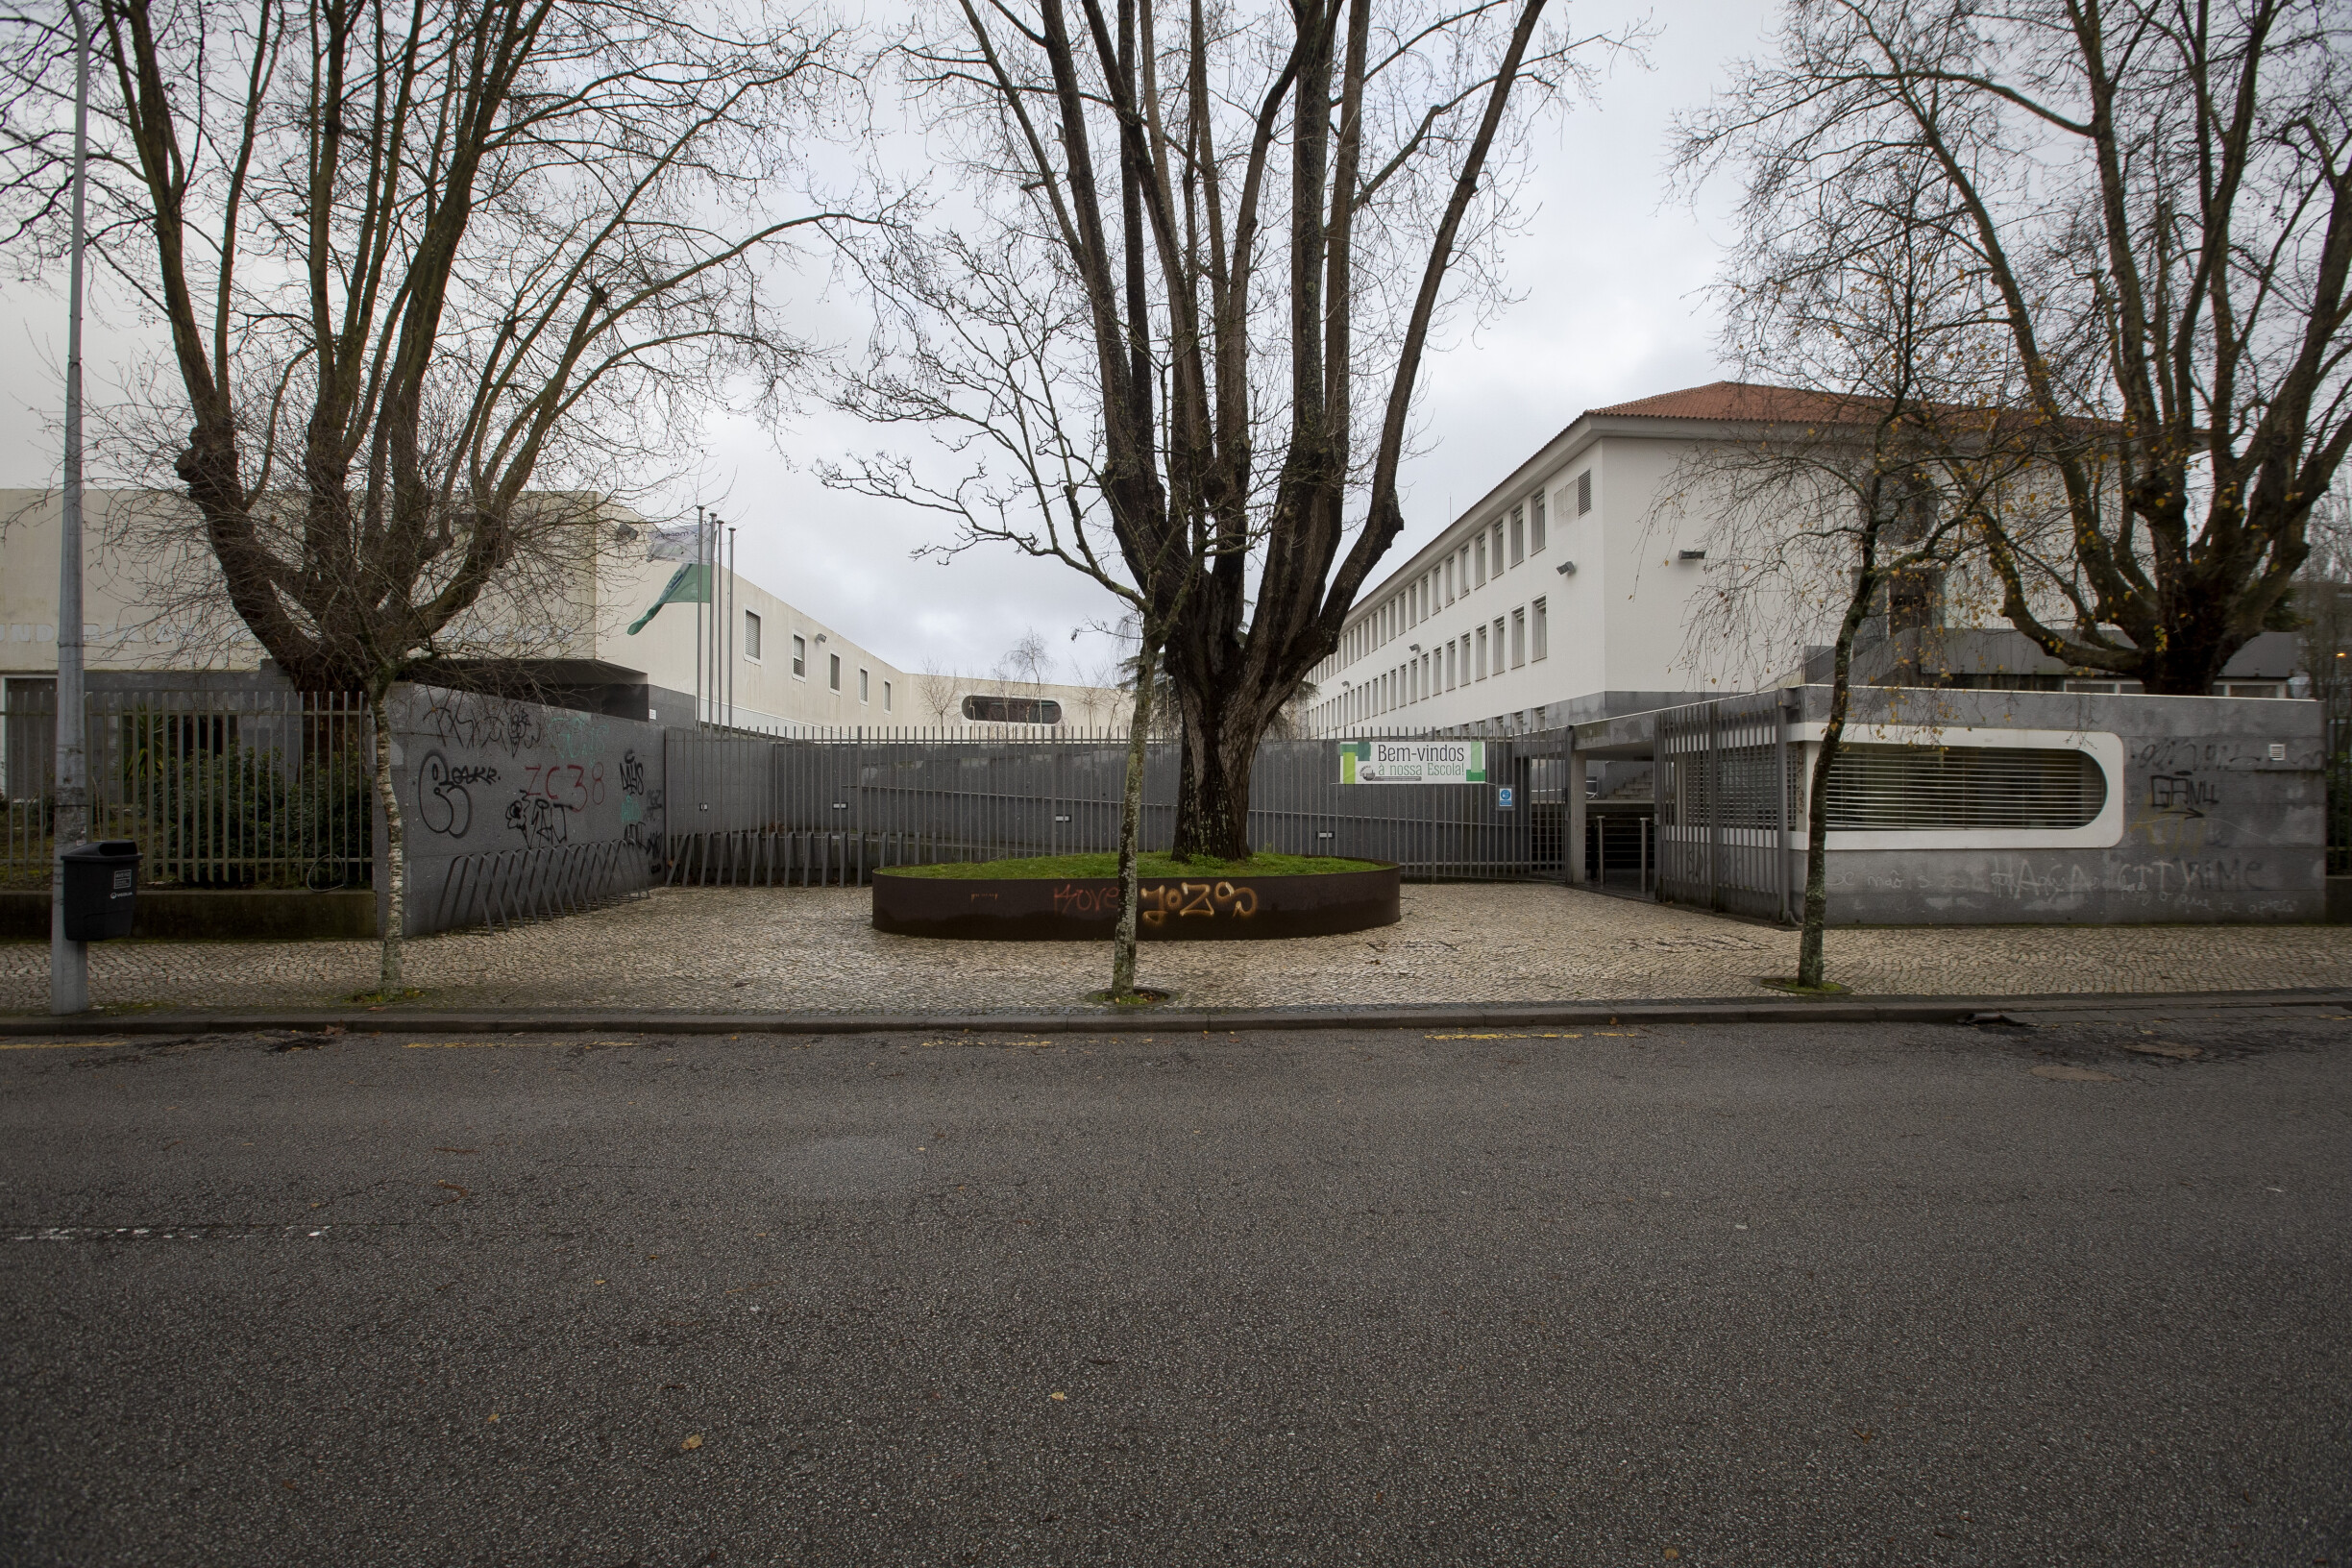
(1221, 733)
(1810, 960)
(1131, 826)
(395, 858)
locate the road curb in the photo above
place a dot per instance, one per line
(1173, 1020)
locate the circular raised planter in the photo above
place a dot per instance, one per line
(1174, 909)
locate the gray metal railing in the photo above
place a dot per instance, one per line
(836, 809)
(218, 787)
(1725, 799)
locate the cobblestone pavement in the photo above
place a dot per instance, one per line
(810, 950)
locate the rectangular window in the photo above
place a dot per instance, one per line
(865, 686)
(800, 657)
(886, 696)
(1498, 547)
(1481, 653)
(833, 672)
(1481, 559)
(1450, 594)
(1584, 492)
(1543, 631)
(1498, 644)
(1536, 524)
(1518, 535)
(751, 636)
(1518, 637)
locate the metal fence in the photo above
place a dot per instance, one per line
(1728, 791)
(2338, 764)
(834, 810)
(219, 788)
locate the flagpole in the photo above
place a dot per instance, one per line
(69, 961)
(734, 620)
(700, 572)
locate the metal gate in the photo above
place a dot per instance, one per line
(836, 809)
(1723, 805)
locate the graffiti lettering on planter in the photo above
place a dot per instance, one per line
(444, 806)
(1078, 899)
(633, 773)
(1205, 900)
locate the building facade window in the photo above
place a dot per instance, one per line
(1481, 559)
(800, 658)
(1012, 710)
(1518, 533)
(833, 671)
(1495, 537)
(865, 686)
(751, 631)
(1536, 524)
(886, 696)
(1498, 644)
(1543, 632)
(1584, 492)
(1482, 654)
(1518, 637)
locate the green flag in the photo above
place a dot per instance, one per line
(690, 584)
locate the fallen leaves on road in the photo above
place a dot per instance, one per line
(1057, 1394)
(692, 1443)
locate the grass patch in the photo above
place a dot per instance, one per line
(1105, 867)
(1794, 988)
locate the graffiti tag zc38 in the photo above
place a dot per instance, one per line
(1157, 901)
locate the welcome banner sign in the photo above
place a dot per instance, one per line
(1412, 762)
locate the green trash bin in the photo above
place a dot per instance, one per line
(101, 889)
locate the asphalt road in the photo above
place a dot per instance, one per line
(1768, 1295)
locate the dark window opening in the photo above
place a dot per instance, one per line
(1012, 710)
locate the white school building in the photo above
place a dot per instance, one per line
(1565, 594)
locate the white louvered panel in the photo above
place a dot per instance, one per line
(1881, 788)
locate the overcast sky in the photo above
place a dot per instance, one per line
(1608, 274)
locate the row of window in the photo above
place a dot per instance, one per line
(1484, 555)
(800, 664)
(1519, 638)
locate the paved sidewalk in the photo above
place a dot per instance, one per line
(810, 950)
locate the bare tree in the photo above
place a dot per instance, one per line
(2159, 198)
(1133, 172)
(1026, 666)
(1853, 498)
(936, 691)
(413, 264)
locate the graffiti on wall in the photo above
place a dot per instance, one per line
(640, 811)
(445, 794)
(468, 722)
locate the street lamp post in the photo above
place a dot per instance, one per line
(69, 961)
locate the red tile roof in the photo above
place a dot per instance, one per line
(1734, 401)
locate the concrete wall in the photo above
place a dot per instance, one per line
(2215, 827)
(507, 798)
